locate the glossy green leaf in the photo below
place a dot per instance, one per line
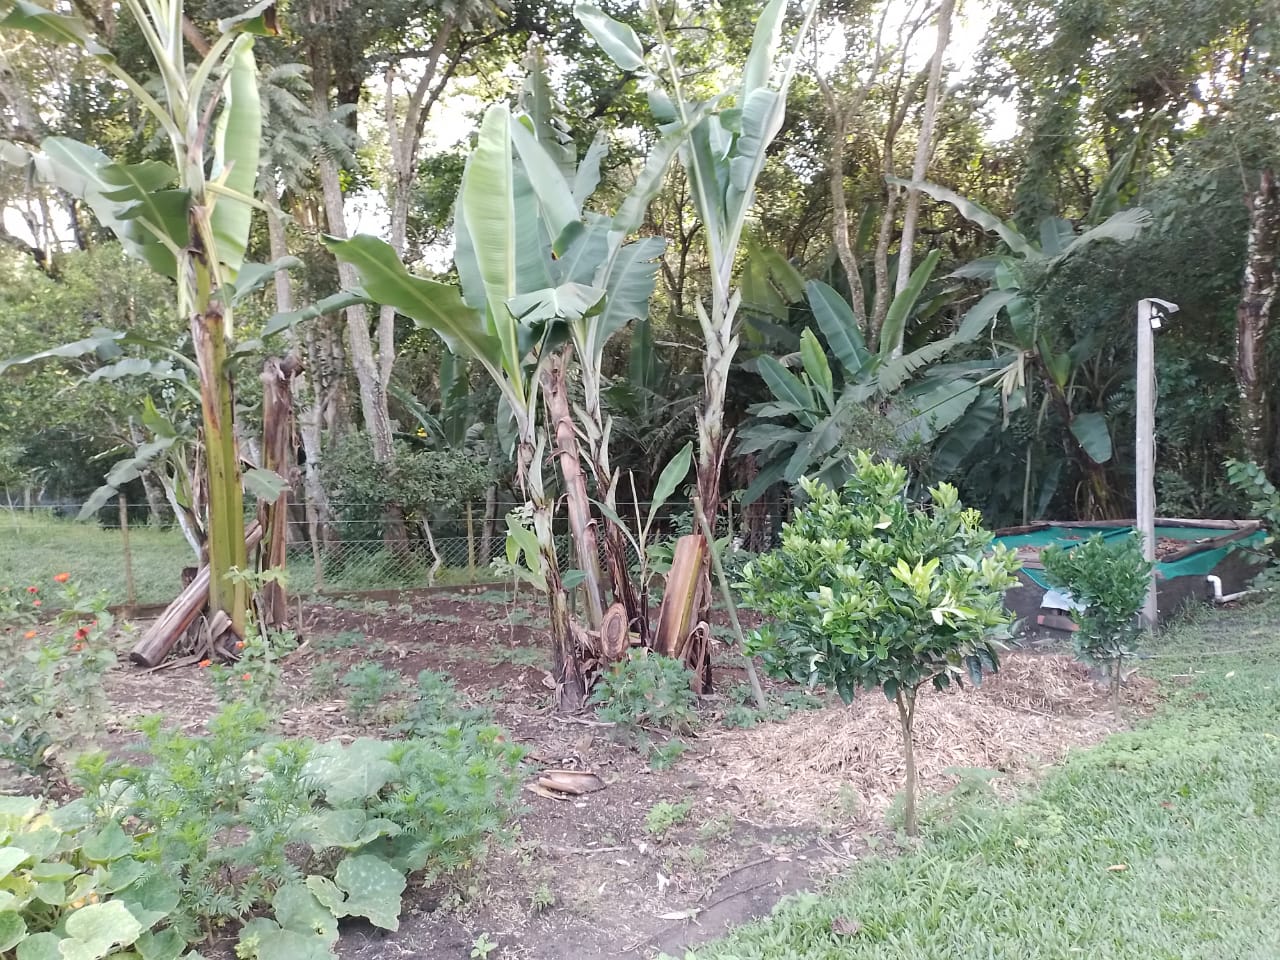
(934, 411)
(260, 20)
(676, 470)
(554, 194)
(265, 485)
(45, 23)
(435, 306)
(787, 387)
(983, 313)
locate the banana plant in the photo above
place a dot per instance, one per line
(188, 219)
(802, 430)
(1018, 274)
(723, 144)
(592, 252)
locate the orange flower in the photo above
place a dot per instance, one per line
(29, 635)
(247, 677)
(205, 663)
(62, 577)
(77, 647)
(239, 644)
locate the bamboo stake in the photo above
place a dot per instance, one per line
(130, 588)
(757, 692)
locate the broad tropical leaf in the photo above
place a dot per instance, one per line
(1090, 430)
(616, 39)
(839, 326)
(764, 48)
(236, 140)
(816, 366)
(787, 387)
(934, 411)
(976, 213)
(978, 317)
(435, 306)
(895, 320)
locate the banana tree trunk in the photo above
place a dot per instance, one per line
(278, 454)
(226, 544)
(560, 424)
(1253, 318)
(566, 664)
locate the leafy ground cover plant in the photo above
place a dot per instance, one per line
(51, 700)
(870, 590)
(71, 889)
(367, 688)
(239, 820)
(646, 693)
(1109, 579)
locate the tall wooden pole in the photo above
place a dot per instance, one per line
(1150, 314)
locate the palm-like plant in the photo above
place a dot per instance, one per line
(188, 219)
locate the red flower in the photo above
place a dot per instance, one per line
(61, 577)
(239, 644)
(82, 633)
(77, 647)
(36, 603)
(205, 663)
(33, 589)
(247, 677)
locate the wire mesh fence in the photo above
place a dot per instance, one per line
(136, 560)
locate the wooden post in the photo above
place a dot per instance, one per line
(1150, 314)
(130, 588)
(471, 543)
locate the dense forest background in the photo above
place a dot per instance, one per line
(1082, 155)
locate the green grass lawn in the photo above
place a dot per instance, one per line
(1160, 844)
(35, 546)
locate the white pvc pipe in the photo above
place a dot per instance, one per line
(1220, 597)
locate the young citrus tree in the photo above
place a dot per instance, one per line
(1109, 579)
(870, 590)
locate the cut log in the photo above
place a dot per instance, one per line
(679, 599)
(575, 782)
(177, 618)
(614, 636)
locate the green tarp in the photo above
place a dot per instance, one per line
(1196, 565)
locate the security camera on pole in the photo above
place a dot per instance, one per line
(1151, 316)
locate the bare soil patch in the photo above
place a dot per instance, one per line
(774, 809)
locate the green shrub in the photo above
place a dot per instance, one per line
(1264, 502)
(1109, 579)
(648, 691)
(870, 590)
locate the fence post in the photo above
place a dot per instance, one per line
(471, 543)
(130, 590)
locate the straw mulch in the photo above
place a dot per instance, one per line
(816, 766)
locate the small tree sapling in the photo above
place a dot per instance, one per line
(870, 590)
(1109, 580)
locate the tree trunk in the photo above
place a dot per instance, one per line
(1253, 319)
(560, 425)
(304, 385)
(278, 454)
(906, 701)
(924, 147)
